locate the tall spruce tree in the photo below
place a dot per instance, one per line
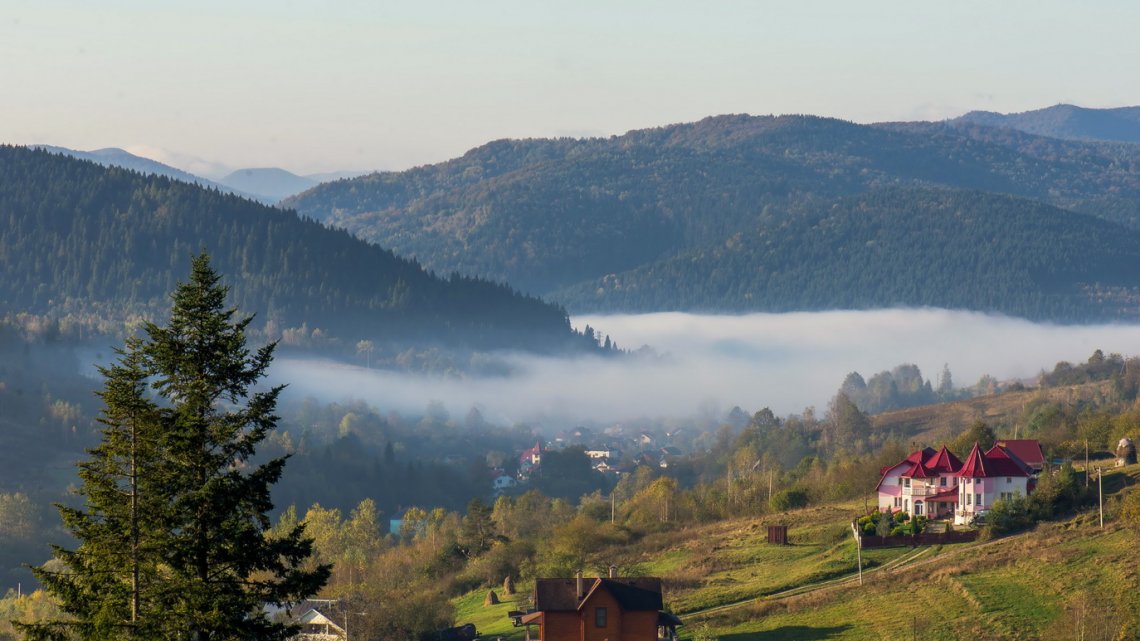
(107, 585)
(185, 551)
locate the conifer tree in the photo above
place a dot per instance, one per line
(106, 588)
(176, 542)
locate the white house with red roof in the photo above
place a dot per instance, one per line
(924, 483)
(529, 460)
(988, 478)
(936, 484)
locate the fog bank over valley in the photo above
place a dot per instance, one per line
(706, 364)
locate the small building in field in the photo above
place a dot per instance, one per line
(610, 609)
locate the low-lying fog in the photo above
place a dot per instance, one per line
(710, 363)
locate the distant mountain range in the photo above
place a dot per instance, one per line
(670, 218)
(1068, 122)
(268, 185)
(101, 247)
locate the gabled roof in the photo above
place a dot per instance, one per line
(1028, 450)
(632, 593)
(1002, 462)
(944, 462)
(918, 471)
(316, 617)
(996, 462)
(915, 458)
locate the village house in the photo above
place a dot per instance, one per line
(610, 609)
(529, 460)
(317, 621)
(936, 484)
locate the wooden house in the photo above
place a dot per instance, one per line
(609, 609)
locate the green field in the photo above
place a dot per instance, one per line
(1062, 580)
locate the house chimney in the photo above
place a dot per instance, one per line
(578, 576)
(613, 571)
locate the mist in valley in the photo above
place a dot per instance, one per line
(703, 365)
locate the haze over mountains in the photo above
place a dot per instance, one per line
(1069, 122)
(268, 185)
(741, 213)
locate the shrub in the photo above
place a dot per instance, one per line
(789, 499)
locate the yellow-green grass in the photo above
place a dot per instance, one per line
(1025, 587)
(491, 621)
(732, 561)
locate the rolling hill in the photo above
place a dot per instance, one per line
(95, 246)
(1069, 122)
(561, 215)
(898, 247)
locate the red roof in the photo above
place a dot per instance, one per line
(1028, 450)
(975, 464)
(1006, 463)
(996, 462)
(950, 495)
(944, 462)
(915, 458)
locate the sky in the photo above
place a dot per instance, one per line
(375, 84)
(709, 364)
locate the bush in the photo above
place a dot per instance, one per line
(789, 499)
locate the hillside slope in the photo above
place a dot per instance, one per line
(100, 246)
(898, 247)
(548, 215)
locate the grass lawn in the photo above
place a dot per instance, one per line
(491, 621)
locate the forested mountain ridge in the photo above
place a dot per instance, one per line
(1121, 124)
(551, 215)
(85, 244)
(899, 247)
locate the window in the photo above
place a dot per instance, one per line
(600, 617)
(968, 481)
(906, 482)
(967, 499)
(900, 480)
(977, 499)
(943, 479)
(1008, 480)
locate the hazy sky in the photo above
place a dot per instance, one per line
(313, 86)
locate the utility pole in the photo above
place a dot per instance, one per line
(1086, 462)
(613, 506)
(1100, 493)
(769, 487)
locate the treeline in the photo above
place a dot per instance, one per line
(563, 215)
(87, 246)
(904, 386)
